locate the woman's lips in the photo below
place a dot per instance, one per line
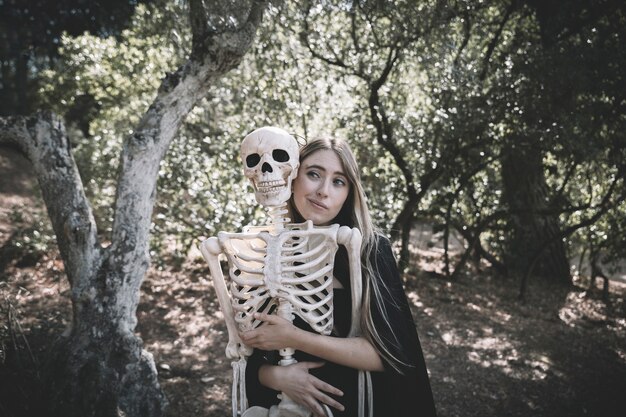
(318, 204)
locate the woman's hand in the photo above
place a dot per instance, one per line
(302, 387)
(275, 333)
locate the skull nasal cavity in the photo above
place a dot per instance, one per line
(266, 167)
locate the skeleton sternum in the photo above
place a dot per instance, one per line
(273, 270)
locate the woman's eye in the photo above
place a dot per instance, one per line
(339, 181)
(313, 174)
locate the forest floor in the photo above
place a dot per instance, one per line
(561, 352)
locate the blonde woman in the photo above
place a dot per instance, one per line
(328, 190)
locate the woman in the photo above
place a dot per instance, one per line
(328, 190)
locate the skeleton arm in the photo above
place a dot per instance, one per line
(351, 239)
(211, 250)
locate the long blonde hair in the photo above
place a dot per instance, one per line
(355, 213)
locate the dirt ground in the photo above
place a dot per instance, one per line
(560, 353)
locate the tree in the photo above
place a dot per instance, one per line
(382, 36)
(99, 368)
(543, 97)
(102, 85)
(569, 71)
(29, 39)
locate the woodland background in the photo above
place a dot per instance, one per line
(492, 146)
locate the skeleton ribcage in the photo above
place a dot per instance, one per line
(296, 265)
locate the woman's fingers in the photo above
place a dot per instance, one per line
(322, 389)
(248, 338)
(258, 338)
(328, 400)
(326, 387)
(311, 365)
(318, 383)
(275, 333)
(247, 335)
(309, 390)
(268, 318)
(315, 407)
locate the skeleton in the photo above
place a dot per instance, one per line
(280, 268)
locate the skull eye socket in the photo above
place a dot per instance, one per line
(253, 160)
(280, 155)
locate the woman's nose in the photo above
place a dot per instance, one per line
(322, 190)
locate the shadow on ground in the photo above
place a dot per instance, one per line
(562, 353)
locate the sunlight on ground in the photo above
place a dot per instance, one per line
(39, 293)
(489, 332)
(487, 346)
(578, 307)
(581, 310)
(414, 299)
(499, 352)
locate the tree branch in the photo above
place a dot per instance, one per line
(467, 26)
(145, 148)
(42, 139)
(603, 207)
(335, 61)
(496, 38)
(198, 20)
(353, 35)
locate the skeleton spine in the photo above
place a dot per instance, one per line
(277, 217)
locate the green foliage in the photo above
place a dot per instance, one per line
(104, 85)
(469, 81)
(201, 186)
(30, 32)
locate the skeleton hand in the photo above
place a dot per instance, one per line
(275, 333)
(302, 387)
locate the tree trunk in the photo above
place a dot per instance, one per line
(402, 227)
(530, 221)
(99, 367)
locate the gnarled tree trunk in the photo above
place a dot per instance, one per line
(99, 368)
(530, 220)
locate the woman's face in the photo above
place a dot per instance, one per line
(321, 187)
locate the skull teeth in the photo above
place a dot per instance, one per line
(270, 186)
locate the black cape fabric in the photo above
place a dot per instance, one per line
(399, 394)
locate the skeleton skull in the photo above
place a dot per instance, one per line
(270, 157)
